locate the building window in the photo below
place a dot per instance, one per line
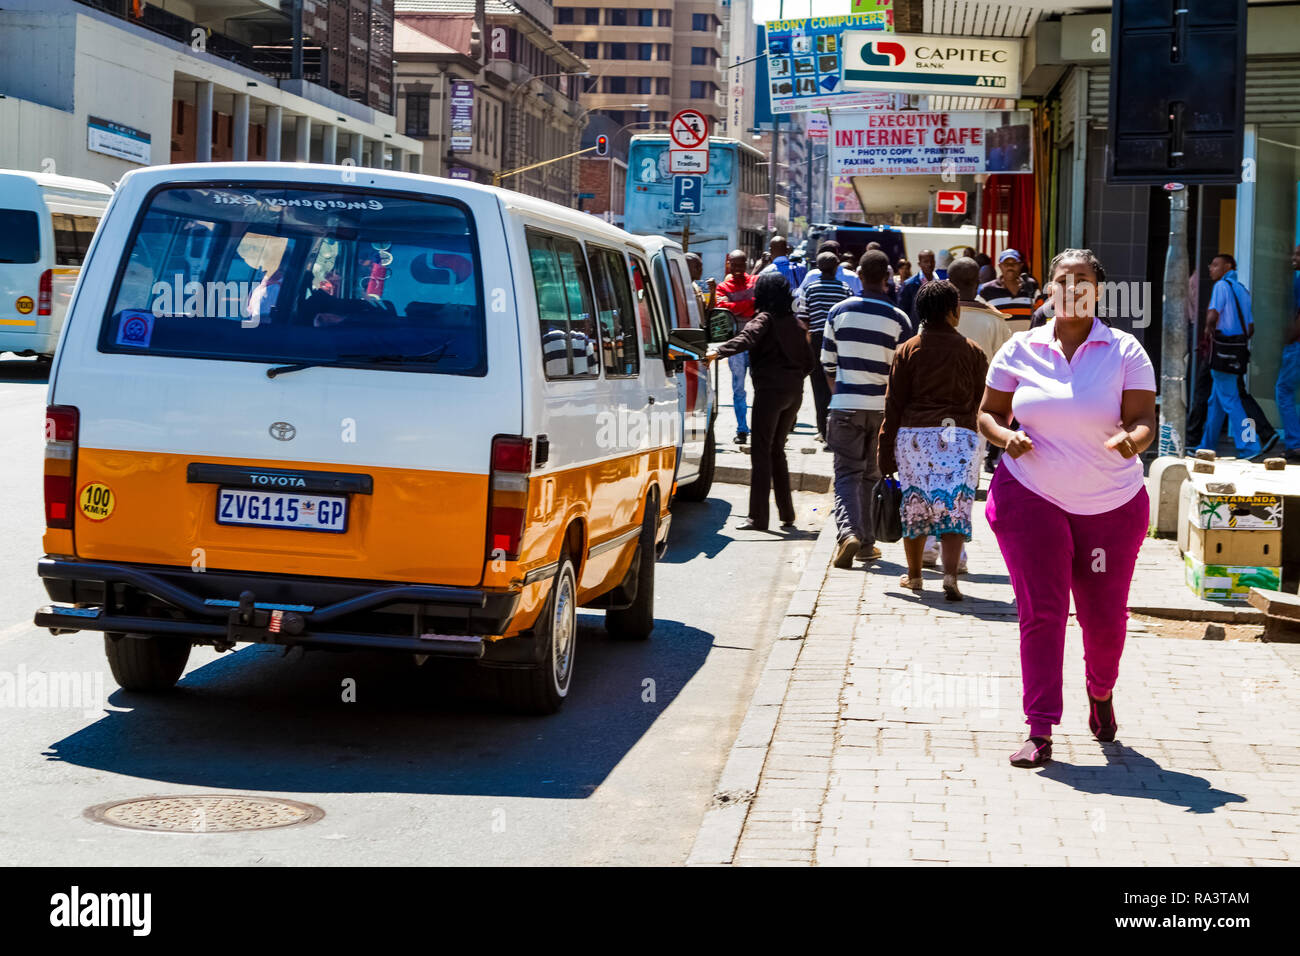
(615, 18)
(661, 117)
(645, 51)
(661, 86)
(665, 51)
(417, 114)
(616, 51)
(665, 18)
(643, 84)
(702, 55)
(591, 16)
(645, 18)
(614, 84)
(701, 90)
(591, 51)
(564, 14)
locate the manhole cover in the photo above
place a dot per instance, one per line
(204, 813)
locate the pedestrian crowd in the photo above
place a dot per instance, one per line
(920, 379)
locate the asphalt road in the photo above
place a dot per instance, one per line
(422, 768)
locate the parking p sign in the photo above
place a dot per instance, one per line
(687, 192)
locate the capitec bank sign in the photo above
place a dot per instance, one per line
(951, 66)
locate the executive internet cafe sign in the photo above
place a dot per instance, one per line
(951, 66)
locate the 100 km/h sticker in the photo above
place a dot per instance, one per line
(96, 501)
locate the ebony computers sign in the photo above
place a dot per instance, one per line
(1177, 91)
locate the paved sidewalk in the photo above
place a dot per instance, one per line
(881, 729)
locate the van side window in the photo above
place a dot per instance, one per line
(687, 308)
(570, 341)
(20, 237)
(647, 310)
(72, 238)
(618, 317)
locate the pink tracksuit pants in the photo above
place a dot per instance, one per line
(1049, 553)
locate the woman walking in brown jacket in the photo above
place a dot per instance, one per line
(929, 436)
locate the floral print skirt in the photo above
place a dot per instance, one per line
(938, 469)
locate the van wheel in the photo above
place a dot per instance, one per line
(634, 623)
(698, 489)
(146, 663)
(542, 689)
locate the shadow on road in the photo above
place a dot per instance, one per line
(1145, 778)
(704, 519)
(19, 370)
(254, 720)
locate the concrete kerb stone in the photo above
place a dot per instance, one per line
(799, 480)
(724, 821)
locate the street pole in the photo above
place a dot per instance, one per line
(771, 177)
(1173, 342)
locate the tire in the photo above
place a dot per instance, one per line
(698, 489)
(635, 623)
(542, 689)
(146, 664)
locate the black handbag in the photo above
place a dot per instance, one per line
(1231, 353)
(886, 511)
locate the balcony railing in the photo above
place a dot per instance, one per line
(274, 61)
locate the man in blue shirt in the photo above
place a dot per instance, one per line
(845, 274)
(779, 252)
(1288, 375)
(1229, 315)
(925, 272)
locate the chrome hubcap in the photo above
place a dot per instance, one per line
(563, 626)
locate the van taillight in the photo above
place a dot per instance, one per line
(46, 294)
(511, 461)
(60, 464)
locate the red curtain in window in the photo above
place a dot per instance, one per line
(1010, 203)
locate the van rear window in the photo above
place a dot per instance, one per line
(288, 275)
(20, 237)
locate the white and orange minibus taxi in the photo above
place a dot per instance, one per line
(341, 407)
(46, 224)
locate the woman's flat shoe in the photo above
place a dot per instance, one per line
(950, 591)
(750, 526)
(1036, 752)
(1101, 717)
(912, 584)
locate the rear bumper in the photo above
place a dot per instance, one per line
(226, 607)
(26, 338)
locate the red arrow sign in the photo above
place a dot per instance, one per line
(951, 202)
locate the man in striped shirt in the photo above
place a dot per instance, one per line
(814, 302)
(1012, 292)
(857, 350)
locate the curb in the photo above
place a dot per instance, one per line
(724, 821)
(799, 480)
(1227, 615)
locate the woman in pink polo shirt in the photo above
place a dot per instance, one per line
(1068, 504)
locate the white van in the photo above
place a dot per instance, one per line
(306, 405)
(46, 224)
(696, 387)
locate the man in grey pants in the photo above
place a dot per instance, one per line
(857, 351)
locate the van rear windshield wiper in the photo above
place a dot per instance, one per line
(431, 357)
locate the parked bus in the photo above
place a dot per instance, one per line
(733, 209)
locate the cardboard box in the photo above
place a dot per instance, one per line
(1261, 549)
(1260, 512)
(1217, 582)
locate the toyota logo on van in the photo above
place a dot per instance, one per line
(277, 481)
(282, 431)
